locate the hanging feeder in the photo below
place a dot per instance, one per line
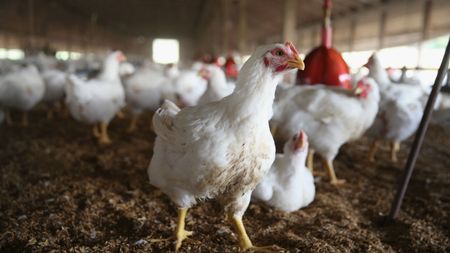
(324, 64)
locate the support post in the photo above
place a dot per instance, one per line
(242, 26)
(289, 21)
(418, 140)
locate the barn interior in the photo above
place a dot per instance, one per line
(75, 183)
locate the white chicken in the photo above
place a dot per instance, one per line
(21, 90)
(329, 116)
(218, 87)
(289, 184)
(401, 109)
(189, 86)
(96, 101)
(223, 149)
(144, 92)
(55, 82)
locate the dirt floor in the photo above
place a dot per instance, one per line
(60, 191)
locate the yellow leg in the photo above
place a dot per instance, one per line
(244, 241)
(104, 138)
(332, 175)
(395, 147)
(8, 117)
(181, 233)
(133, 123)
(310, 162)
(373, 150)
(95, 131)
(50, 113)
(120, 114)
(64, 110)
(24, 119)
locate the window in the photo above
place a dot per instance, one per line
(12, 54)
(166, 51)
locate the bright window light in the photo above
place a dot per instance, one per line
(166, 51)
(62, 55)
(15, 54)
(75, 55)
(3, 53)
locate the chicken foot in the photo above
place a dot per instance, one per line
(373, 150)
(181, 233)
(332, 175)
(244, 241)
(104, 138)
(395, 147)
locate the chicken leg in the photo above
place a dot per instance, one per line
(104, 138)
(120, 114)
(244, 241)
(332, 175)
(395, 147)
(8, 118)
(133, 123)
(95, 131)
(373, 150)
(310, 162)
(49, 113)
(181, 233)
(24, 119)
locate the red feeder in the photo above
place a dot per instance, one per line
(324, 64)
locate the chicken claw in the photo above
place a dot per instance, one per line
(181, 232)
(244, 241)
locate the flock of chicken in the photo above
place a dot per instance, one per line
(220, 144)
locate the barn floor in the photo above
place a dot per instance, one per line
(61, 191)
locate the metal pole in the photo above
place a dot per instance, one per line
(418, 140)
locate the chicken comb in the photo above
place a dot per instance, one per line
(291, 46)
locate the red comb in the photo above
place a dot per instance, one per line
(291, 46)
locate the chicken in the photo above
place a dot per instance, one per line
(55, 82)
(21, 90)
(329, 116)
(144, 92)
(401, 109)
(217, 84)
(221, 150)
(189, 86)
(289, 185)
(96, 101)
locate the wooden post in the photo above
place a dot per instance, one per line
(226, 25)
(242, 44)
(289, 21)
(382, 30)
(351, 42)
(418, 140)
(425, 27)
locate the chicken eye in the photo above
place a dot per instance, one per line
(279, 53)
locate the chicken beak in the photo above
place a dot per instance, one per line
(358, 90)
(301, 141)
(297, 63)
